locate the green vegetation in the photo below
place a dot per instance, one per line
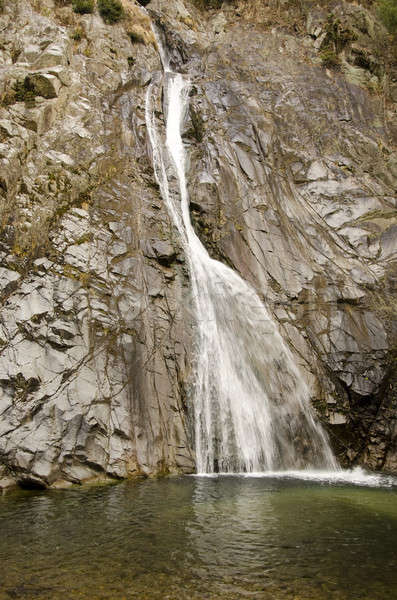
(338, 35)
(208, 4)
(330, 58)
(387, 11)
(111, 11)
(197, 124)
(24, 91)
(86, 237)
(77, 34)
(136, 37)
(30, 240)
(83, 7)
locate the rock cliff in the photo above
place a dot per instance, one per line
(293, 180)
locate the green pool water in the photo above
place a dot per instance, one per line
(201, 538)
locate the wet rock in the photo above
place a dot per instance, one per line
(161, 250)
(7, 483)
(338, 419)
(316, 244)
(292, 181)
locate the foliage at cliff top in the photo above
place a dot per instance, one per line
(83, 7)
(111, 11)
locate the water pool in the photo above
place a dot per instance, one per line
(201, 538)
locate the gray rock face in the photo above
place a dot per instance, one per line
(292, 184)
(93, 357)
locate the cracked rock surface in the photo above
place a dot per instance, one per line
(293, 183)
(293, 180)
(93, 332)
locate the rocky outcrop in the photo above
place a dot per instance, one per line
(93, 333)
(293, 181)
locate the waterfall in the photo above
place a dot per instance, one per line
(251, 407)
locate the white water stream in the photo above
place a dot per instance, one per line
(251, 406)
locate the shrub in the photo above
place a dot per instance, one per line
(136, 37)
(77, 34)
(330, 59)
(111, 11)
(83, 7)
(387, 10)
(338, 33)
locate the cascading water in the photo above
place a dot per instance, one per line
(251, 407)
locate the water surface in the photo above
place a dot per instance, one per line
(201, 538)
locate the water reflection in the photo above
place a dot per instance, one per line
(201, 538)
(230, 530)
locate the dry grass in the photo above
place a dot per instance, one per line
(384, 305)
(290, 14)
(31, 238)
(137, 24)
(26, 237)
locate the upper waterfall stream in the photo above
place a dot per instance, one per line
(251, 406)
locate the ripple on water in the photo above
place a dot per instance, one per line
(269, 537)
